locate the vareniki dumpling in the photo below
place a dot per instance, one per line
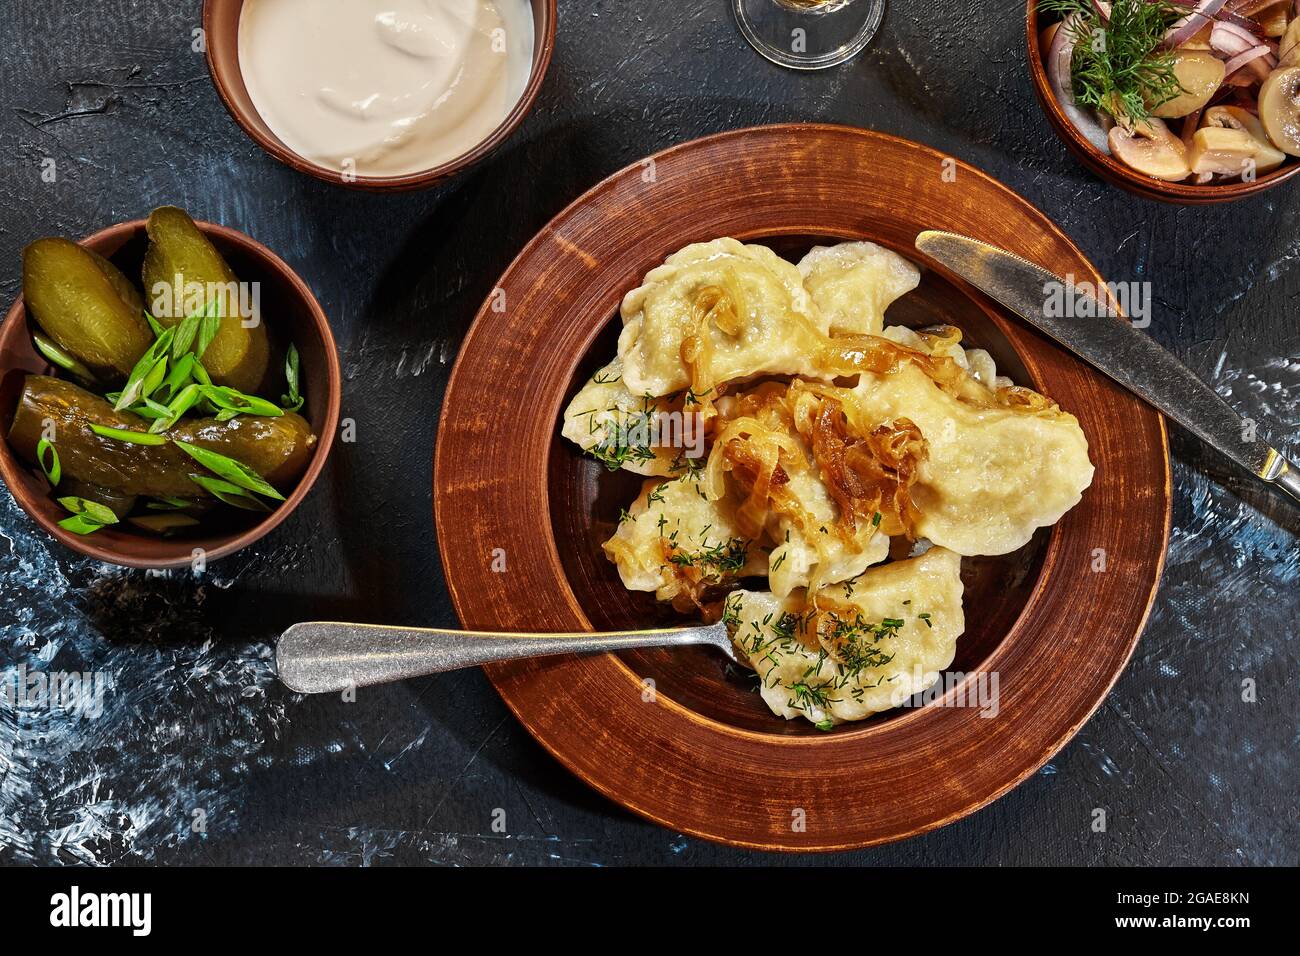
(676, 542)
(994, 474)
(862, 650)
(611, 424)
(854, 282)
(717, 312)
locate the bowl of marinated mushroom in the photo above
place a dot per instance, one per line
(1187, 101)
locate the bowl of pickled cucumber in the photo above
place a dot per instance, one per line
(169, 391)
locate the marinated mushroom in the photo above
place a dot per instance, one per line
(1151, 148)
(1279, 109)
(1199, 74)
(1268, 156)
(1272, 18)
(1224, 151)
(1288, 48)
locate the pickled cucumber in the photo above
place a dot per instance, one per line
(77, 298)
(183, 271)
(278, 449)
(126, 289)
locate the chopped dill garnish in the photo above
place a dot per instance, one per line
(717, 561)
(856, 644)
(807, 696)
(1121, 66)
(619, 446)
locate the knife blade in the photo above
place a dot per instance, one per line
(1098, 334)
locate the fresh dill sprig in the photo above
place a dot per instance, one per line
(1120, 65)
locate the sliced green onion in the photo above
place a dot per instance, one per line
(209, 327)
(56, 356)
(231, 494)
(233, 402)
(235, 472)
(155, 377)
(149, 409)
(179, 405)
(185, 332)
(145, 368)
(182, 370)
(87, 516)
(127, 435)
(293, 401)
(54, 470)
(168, 503)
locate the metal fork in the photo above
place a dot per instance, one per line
(321, 657)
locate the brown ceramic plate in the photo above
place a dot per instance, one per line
(705, 756)
(1111, 169)
(298, 318)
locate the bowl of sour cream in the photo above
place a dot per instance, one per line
(379, 94)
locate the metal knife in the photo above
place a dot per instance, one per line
(1113, 346)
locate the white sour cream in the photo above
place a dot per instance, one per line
(384, 87)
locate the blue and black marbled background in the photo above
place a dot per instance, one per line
(196, 728)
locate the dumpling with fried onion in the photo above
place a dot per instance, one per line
(791, 470)
(717, 312)
(681, 545)
(859, 650)
(946, 341)
(621, 430)
(853, 283)
(1001, 462)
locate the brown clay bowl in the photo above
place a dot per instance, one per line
(221, 30)
(297, 317)
(1111, 169)
(703, 755)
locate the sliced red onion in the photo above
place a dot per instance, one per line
(1187, 27)
(1059, 57)
(1245, 23)
(1103, 10)
(1241, 59)
(1230, 40)
(1262, 67)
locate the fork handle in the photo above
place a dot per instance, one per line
(1282, 473)
(320, 657)
(1289, 481)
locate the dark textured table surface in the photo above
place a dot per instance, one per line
(200, 756)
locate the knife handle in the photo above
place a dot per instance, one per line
(1278, 471)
